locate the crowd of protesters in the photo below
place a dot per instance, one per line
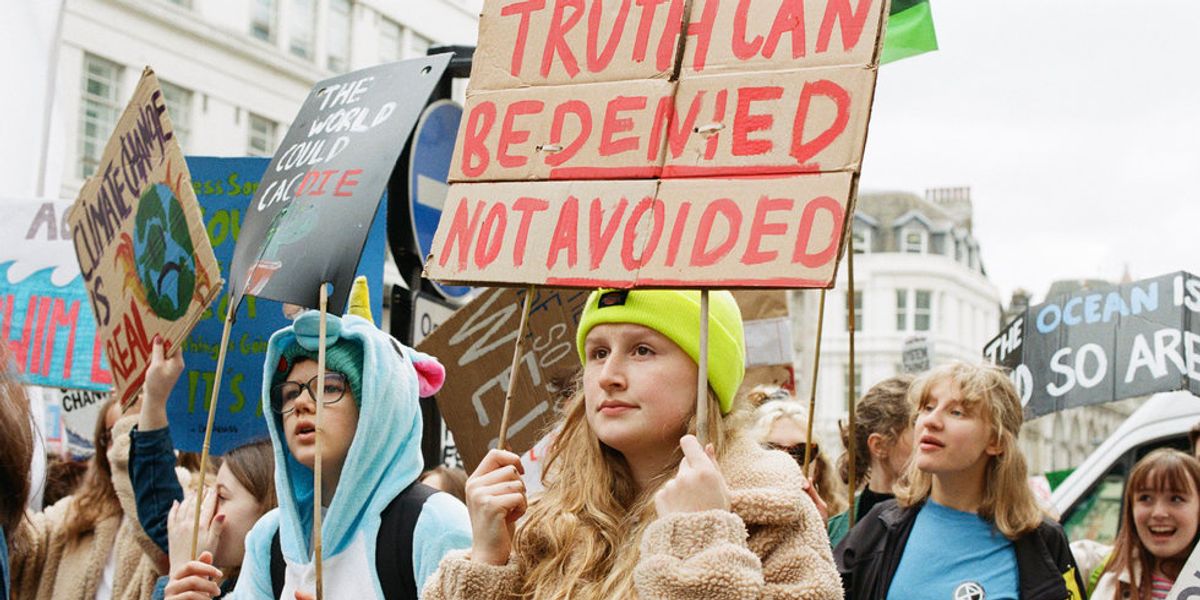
(637, 501)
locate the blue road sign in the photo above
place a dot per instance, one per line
(429, 167)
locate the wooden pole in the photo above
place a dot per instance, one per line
(702, 374)
(812, 395)
(212, 413)
(320, 403)
(518, 350)
(852, 394)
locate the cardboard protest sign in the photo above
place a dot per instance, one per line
(224, 188)
(760, 232)
(142, 249)
(310, 216)
(1136, 339)
(766, 321)
(612, 93)
(917, 354)
(1187, 585)
(44, 314)
(477, 345)
(80, 410)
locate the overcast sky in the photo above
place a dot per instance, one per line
(1076, 123)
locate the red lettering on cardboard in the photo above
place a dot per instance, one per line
(815, 259)
(491, 236)
(462, 232)
(475, 155)
(613, 125)
(556, 37)
(597, 61)
(525, 9)
(580, 109)
(852, 21)
(566, 233)
(803, 151)
(759, 228)
(510, 136)
(745, 123)
(600, 235)
(631, 227)
(677, 233)
(701, 255)
(526, 206)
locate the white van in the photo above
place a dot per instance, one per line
(1089, 500)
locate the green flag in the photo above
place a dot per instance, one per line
(909, 30)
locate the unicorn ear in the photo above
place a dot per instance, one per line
(430, 373)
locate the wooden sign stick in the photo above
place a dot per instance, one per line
(812, 396)
(212, 413)
(851, 393)
(518, 350)
(702, 374)
(320, 402)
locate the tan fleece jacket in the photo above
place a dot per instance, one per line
(46, 567)
(771, 545)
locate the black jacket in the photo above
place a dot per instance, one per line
(869, 555)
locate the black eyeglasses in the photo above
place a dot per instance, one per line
(284, 395)
(796, 450)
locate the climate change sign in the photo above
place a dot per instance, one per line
(1098, 346)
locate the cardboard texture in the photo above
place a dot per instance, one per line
(744, 35)
(224, 188)
(762, 304)
(795, 121)
(760, 88)
(45, 318)
(310, 216)
(1092, 347)
(534, 42)
(590, 131)
(141, 244)
(477, 344)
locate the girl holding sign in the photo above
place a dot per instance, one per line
(634, 505)
(1158, 527)
(964, 523)
(16, 446)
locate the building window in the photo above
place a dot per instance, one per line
(339, 36)
(923, 311)
(913, 242)
(101, 108)
(179, 107)
(901, 310)
(303, 18)
(858, 312)
(862, 240)
(262, 136)
(391, 41)
(262, 20)
(418, 45)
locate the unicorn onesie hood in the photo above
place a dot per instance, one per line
(384, 458)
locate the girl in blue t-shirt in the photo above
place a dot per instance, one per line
(964, 523)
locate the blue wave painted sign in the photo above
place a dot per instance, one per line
(224, 188)
(44, 314)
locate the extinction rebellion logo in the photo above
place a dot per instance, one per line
(969, 591)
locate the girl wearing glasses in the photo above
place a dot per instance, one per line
(781, 423)
(633, 505)
(382, 532)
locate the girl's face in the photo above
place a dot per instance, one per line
(951, 438)
(639, 388)
(1166, 521)
(241, 510)
(339, 421)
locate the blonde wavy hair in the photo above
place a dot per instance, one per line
(775, 403)
(987, 391)
(581, 538)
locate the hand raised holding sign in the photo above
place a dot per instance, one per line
(495, 500)
(161, 376)
(697, 486)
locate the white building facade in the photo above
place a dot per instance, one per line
(234, 72)
(917, 272)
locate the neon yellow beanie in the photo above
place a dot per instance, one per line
(676, 314)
